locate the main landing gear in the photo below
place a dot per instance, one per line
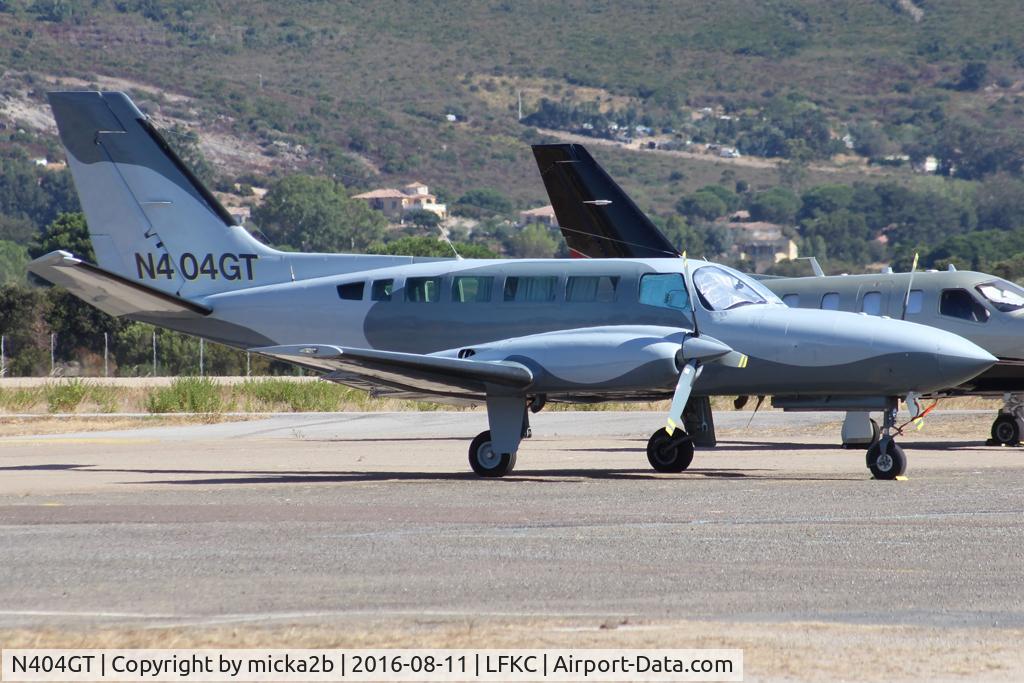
(670, 453)
(1009, 423)
(885, 459)
(509, 419)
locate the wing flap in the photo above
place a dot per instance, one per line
(110, 292)
(406, 372)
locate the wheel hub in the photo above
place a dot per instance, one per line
(1005, 431)
(884, 462)
(486, 456)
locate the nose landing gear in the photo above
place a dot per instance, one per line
(885, 459)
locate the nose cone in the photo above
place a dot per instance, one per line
(961, 360)
(927, 358)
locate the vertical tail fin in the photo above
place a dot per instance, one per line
(597, 218)
(150, 219)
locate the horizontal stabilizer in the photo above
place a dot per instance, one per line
(406, 371)
(110, 292)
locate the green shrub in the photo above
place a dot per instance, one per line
(105, 398)
(65, 396)
(187, 395)
(20, 400)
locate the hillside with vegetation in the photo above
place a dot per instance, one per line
(869, 130)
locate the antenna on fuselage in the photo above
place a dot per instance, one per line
(910, 283)
(447, 241)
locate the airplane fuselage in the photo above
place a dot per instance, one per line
(570, 309)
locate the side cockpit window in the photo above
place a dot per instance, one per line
(958, 303)
(666, 290)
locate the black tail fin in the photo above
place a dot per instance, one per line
(596, 217)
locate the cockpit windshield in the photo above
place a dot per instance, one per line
(1005, 296)
(720, 289)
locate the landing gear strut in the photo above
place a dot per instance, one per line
(493, 453)
(885, 459)
(1009, 424)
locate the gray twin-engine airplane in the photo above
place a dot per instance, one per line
(599, 220)
(512, 334)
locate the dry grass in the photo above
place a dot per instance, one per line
(26, 426)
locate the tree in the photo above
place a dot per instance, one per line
(13, 259)
(681, 234)
(76, 324)
(68, 232)
(777, 205)
(533, 241)
(845, 234)
(314, 214)
(972, 76)
(21, 325)
(702, 204)
(483, 202)
(824, 199)
(728, 197)
(422, 218)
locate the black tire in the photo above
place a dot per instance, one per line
(888, 465)
(673, 459)
(1006, 430)
(485, 462)
(876, 432)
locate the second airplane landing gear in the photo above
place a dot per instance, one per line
(670, 453)
(1008, 426)
(885, 459)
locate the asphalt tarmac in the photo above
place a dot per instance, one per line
(331, 520)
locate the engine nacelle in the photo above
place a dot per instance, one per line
(627, 357)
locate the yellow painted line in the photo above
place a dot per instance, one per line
(902, 478)
(77, 440)
(53, 505)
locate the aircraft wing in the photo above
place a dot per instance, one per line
(110, 292)
(406, 374)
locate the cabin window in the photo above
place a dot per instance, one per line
(958, 303)
(381, 290)
(470, 290)
(830, 301)
(600, 289)
(423, 289)
(352, 291)
(872, 303)
(665, 290)
(791, 300)
(915, 302)
(1005, 296)
(533, 289)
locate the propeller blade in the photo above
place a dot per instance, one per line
(684, 385)
(734, 359)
